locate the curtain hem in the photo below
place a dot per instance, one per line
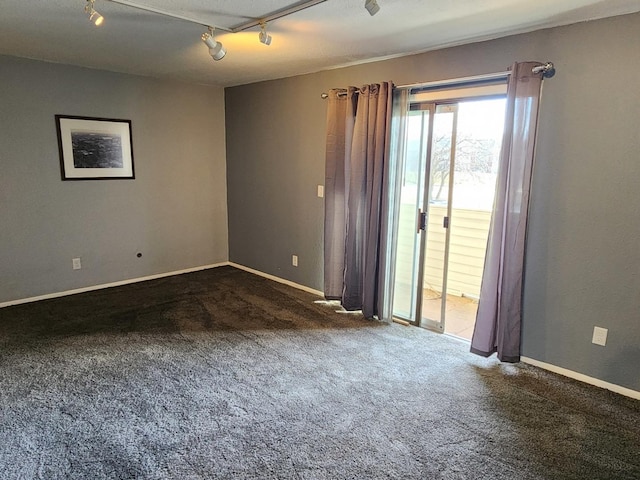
(482, 353)
(502, 358)
(509, 358)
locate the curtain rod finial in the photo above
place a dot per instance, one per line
(547, 70)
(550, 71)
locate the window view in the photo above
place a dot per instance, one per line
(478, 142)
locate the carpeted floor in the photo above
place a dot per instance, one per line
(222, 374)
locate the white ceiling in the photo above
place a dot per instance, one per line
(328, 35)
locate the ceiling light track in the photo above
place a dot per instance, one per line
(165, 13)
(216, 50)
(238, 28)
(277, 14)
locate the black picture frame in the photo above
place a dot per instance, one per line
(93, 148)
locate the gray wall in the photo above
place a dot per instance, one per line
(174, 212)
(583, 262)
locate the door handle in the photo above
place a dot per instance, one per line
(422, 220)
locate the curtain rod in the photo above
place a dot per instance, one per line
(547, 70)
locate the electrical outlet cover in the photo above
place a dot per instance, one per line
(599, 336)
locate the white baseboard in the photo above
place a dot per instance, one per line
(627, 392)
(277, 279)
(108, 285)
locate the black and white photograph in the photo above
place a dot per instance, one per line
(94, 148)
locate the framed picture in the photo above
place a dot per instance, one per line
(94, 148)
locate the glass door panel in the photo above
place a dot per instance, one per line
(437, 199)
(411, 199)
(479, 132)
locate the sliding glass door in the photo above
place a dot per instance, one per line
(446, 199)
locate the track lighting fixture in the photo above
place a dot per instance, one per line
(372, 7)
(94, 16)
(264, 36)
(216, 50)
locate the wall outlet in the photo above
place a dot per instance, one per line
(294, 260)
(75, 262)
(320, 191)
(599, 336)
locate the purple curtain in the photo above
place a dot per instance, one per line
(498, 321)
(358, 122)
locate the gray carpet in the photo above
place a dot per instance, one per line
(222, 374)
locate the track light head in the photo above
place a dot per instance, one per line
(372, 7)
(216, 50)
(264, 36)
(94, 16)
